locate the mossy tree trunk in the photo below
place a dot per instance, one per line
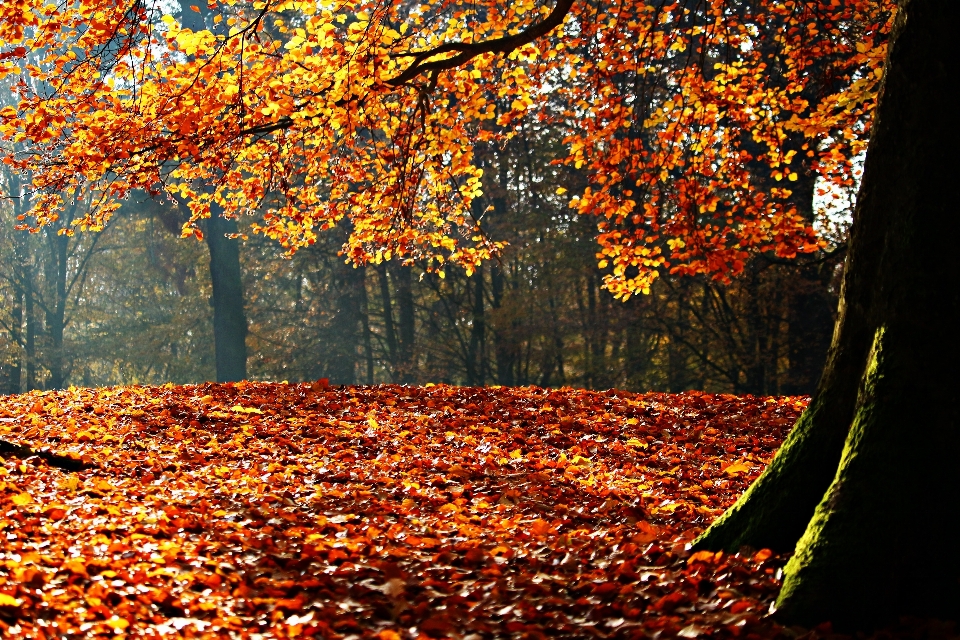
(866, 487)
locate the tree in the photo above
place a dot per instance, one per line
(376, 115)
(301, 114)
(229, 318)
(867, 500)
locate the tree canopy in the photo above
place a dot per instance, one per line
(696, 126)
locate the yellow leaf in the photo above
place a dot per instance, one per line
(8, 601)
(22, 499)
(238, 409)
(118, 623)
(516, 453)
(737, 467)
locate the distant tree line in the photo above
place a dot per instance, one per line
(134, 303)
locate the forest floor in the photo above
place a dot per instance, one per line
(276, 510)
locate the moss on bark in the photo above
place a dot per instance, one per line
(867, 486)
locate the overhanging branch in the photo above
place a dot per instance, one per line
(467, 50)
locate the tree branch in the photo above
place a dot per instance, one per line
(468, 50)
(66, 463)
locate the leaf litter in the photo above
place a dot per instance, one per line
(297, 510)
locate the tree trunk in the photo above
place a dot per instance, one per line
(865, 486)
(16, 316)
(346, 324)
(229, 320)
(405, 361)
(365, 323)
(388, 328)
(476, 351)
(808, 329)
(504, 343)
(57, 304)
(810, 304)
(26, 367)
(676, 353)
(30, 341)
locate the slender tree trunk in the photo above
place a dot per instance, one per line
(810, 305)
(25, 367)
(865, 486)
(13, 370)
(229, 319)
(704, 338)
(388, 328)
(504, 347)
(365, 321)
(30, 342)
(756, 373)
(636, 359)
(475, 350)
(346, 324)
(590, 331)
(57, 305)
(16, 315)
(676, 352)
(405, 308)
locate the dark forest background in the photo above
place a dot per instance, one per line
(133, 304)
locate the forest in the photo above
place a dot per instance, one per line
(435, 319)
(132, 305)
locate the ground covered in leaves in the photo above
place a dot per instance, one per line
(381, 512)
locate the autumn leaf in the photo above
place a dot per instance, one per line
(272, 520)
(737, 468)
(22, 499)
(8, 600)
(700, 192)
(118, 624)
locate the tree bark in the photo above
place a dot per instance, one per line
(57, 305)
(229, 319)
(504, 343)
(810, 304)
(30, 340)
(388, 327)
(346, 323)
(865, 486)
(365, 324)
(476, 351)
(405, 307)
(16, 316)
